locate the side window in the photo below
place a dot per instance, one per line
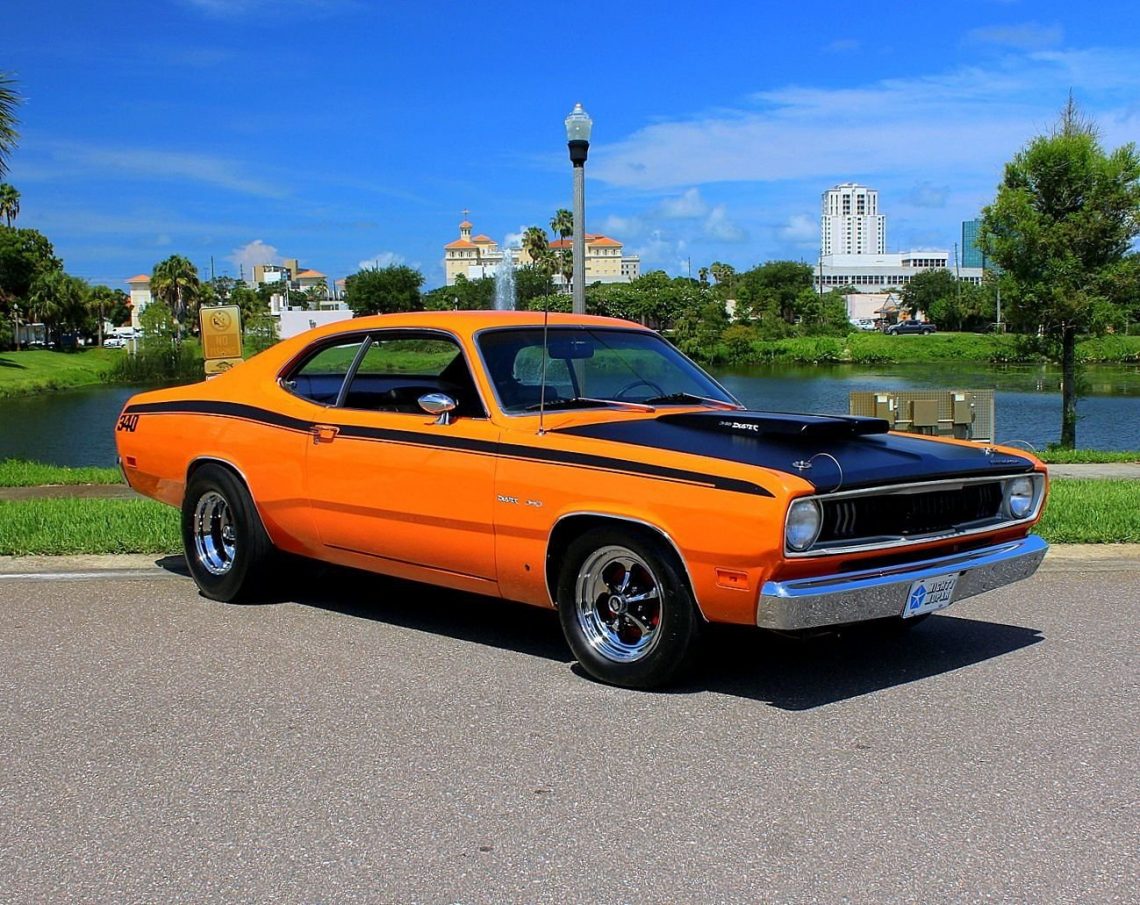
(397, 369)
(320, 376)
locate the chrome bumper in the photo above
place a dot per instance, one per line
(880, 593)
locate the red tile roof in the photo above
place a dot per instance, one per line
(141, 278)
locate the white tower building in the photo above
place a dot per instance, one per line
(850, 223)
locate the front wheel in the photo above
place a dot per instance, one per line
(625, 608)
(227, 549)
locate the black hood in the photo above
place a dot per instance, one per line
(831, 452)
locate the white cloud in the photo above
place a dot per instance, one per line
(690, 205)
(252, 253)
(623, 228)
(842, 45)
(381, 260)
(927, 194)
(965, 121)
(158, 164)
(233, 9)
(661, 252)
(1026, 36)
(800, 229)
(719, 226)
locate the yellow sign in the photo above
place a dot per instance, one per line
(216, 366)
(221, 335)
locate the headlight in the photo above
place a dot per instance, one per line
(1019, 496)
(803, 525)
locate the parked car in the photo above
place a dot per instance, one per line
(911, 326)
(584, 465)
(863, 323)
(114, 342)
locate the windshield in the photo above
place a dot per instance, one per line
(590, 366)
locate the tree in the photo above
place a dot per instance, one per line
(251, 304)
(1065, 215)
(107, 304)
(24, 255)
(175, 281)
(772, 290)
(9, 203)
(59, 301)
(531, 282)
(537, 246)
(724, 274)
(9, 100)
(384, 290)
(928, 289)
(563, 224)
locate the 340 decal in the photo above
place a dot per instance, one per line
(127, 423)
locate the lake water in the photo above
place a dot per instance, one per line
(77, 427)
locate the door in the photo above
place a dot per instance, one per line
(387, 480)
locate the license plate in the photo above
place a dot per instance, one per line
(930, 594)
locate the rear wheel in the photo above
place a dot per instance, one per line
(226, 546)
(625, 608)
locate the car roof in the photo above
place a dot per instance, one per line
(466, 323)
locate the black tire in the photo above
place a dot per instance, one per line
(626, 608)
(226, 546)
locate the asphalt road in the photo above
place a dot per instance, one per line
(373, 741)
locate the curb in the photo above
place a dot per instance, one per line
(1060, 558)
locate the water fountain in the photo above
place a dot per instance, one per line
(505, 281)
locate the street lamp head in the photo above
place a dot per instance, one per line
(578, 124)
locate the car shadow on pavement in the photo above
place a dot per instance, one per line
(800, 673)
(788, 672)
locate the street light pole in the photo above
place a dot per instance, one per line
(578, 125)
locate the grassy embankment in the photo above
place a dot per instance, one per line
(878, 348)
(36, 371)
(1080, 511)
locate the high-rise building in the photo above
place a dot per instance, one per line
(971, 254)
(850, 222)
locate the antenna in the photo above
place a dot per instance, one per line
(542, 382)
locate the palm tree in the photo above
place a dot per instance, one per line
(59, 300)
(9, 202)
(563, 223)
(9, 100)
(175, 281)
(537, 247)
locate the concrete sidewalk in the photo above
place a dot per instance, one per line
(1060, 558)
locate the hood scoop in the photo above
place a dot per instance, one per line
(778, 424)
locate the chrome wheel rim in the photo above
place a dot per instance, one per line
(215, 535)
(618, 604)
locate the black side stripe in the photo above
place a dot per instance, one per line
(461, 444)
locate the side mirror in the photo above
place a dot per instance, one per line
(439, 404)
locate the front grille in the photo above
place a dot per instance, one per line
(907, 514)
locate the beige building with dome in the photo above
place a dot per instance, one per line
(478, 256)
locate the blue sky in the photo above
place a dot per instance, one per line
(343, 132)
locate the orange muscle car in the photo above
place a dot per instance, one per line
(580, 463)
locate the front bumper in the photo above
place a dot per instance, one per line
(881, 593)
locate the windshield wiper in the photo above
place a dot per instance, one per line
(586, 401)
(696, 400)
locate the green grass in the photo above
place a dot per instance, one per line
(23, 373)
(22, 473)
(66, 526)
(1079, 512)
(878, 348)
(1086, 456)
(1092, 512)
